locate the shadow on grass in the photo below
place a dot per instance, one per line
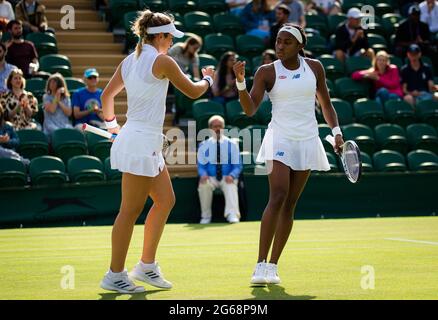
(274, 292)
(134, 296)
(197, 226)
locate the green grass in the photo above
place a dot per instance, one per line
(322, 260)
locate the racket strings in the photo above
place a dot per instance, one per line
(351, 162)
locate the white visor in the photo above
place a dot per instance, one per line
(167, 28)
(293, 31)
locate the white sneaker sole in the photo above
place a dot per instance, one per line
(110, 287)
(272, 281)
(139, 277)
(258, 280)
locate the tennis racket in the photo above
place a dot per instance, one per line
(350, 158)
(103, 133)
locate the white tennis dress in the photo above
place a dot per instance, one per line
(137, 148)
(292, 136)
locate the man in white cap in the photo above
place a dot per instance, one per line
(219, 166)
(351, 38)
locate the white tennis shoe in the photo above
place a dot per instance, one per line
(120, 282)
(272, 273)
(150, 274)
(205, 221)
(232, 218)
(259, 275)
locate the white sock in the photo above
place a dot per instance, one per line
(147, 265)
(114, 274)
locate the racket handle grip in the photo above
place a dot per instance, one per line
(330, 139)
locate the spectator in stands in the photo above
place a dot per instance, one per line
(351, 38)
(32, 14)
(385, 77)
(21, 53)
(9, 140)
(411, 31)
(56, 105)
(87, 106)
(296, 12)
(224, 85)
(257, 17)
(20, 105)
(236, 6)
(429, 14)
(219, 166)
(324, 7)
(282, 13)
(5, 68)
(268, 56)
(186, 55)
(6, 14)
(417, 78)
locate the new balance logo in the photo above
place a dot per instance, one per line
(296, 76)
(280, 153)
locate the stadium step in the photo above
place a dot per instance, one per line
(92, 37)
(97, 59)
(80, 15)
(76, 4)
(104, 71)
(82, 26)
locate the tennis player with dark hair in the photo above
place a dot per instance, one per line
(291, 147)
(137, 149)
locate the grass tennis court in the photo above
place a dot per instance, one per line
(323, 260)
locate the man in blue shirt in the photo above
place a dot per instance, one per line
(87, 106)
(219, 166)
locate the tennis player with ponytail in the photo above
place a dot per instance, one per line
(291, 147)
(136, 151)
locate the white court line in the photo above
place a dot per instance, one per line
(415, 241)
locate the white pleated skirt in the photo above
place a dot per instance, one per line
(299, 155)
(137, 149)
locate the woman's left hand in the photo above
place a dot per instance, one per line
(339, 141)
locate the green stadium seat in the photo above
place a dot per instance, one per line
(45, 43)
(12, 173)
(249, 46)
(47, 170)
(263, 114)
(199, 23)
(351, 90)
(396, 61)
(248, 69)
(74, 84)
(353, 64)
(318, 22)
(130, 38)
(312, 32)
(399, 112)
(383, 8)
(98, 146)
(236, 116)
(368, 112)
(182, 6)
(422, 160)
(212, 6)
(85, 168)
(348, 4)
(203, 109)
(111, 174)
(153, 5)
(390, 22)
(207, 60)
(228, 24)
(334, 21)
(317, 45)
(362, 135)
(391, 137)
(325, 130)
(56, 63)
(33, 143)
(343, 110)
(367, 162)
(118, 8)
(334, 69)
(427, 111)
(389, 161)
(217, 44)
(377, 42)
(68, 143)
(37, 86)
(332, 161)
(331, 88)
(422, 136)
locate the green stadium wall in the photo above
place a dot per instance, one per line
(327, 195)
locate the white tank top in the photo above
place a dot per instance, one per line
(293, 102)
(146, 93)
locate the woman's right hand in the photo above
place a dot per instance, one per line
(239, 70)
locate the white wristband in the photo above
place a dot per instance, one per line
(241, 85)
(112, 124)
(336, 131)
(209, 80)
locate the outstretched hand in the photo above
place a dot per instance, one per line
(239, 70)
